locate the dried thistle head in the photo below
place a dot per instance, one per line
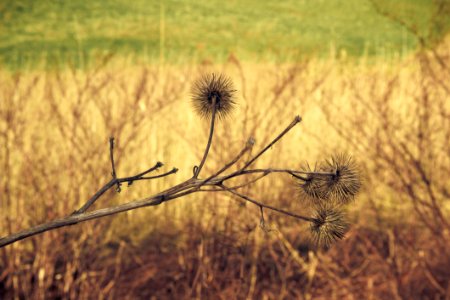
(311, 185)
(213, 90)
(328, 225)
(345, 183)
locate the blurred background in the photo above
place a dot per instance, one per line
(369, 78)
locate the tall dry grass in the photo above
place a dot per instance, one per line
(394, 118)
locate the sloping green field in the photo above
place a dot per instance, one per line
(57, 32)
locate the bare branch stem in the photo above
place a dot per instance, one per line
(111, 155)
(262, 205)
(247, 147)
(118, 181)
(185, 188)
(113, 165)
(82, 217)
(208, 145)
(296, 120)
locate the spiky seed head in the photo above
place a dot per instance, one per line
(328, 225)
(213, 87)
(346, 183)
(312, 186)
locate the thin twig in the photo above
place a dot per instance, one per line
(298, 176)
(240, 185)
(296, 120)
(97, 195)
(111, 155)
(113, 165)
(173, 171)
(267, 206)
(247, 147)
(116, 180)
(270, 170)
(155, 167)
(208, 145)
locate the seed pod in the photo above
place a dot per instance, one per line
(346, 183)
(210, 89)
(311, 185)
(328, 225)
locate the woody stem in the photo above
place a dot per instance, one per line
(208, 145)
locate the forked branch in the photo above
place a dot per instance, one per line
(336, 179)
(190, 186)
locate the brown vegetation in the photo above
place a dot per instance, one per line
(394, 118)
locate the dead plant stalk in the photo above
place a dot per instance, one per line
(190, 186)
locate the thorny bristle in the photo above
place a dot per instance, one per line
(312, 187)
(346, 182)
(211, 86)
(341, 187)
(328, 225)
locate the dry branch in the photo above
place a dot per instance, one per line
(185, 188)
(213, 98)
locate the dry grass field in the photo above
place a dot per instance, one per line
(370, 79)
(393, 118)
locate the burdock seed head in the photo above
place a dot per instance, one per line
(328, 225)
(210, 89)
(345, 183)
(311, 185)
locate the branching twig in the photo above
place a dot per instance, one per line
(248, 147)
(286, 130)
(118, 181)
(262, 205)
(187, 187)
(235, 187)
(173, 171)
